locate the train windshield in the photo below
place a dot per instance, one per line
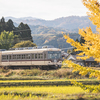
(54, 54)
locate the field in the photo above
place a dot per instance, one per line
(46, 93)
(38, 84)
(41, 92)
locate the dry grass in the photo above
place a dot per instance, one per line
(51, 74)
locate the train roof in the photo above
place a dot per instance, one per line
(30, 50)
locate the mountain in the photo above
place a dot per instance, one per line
(71, 23)
(19, 19)
(48, 32)
(38, 29)
(56, 40)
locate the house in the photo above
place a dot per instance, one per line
(88, 62)
(64, 54)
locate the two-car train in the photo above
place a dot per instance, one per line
(43, 58)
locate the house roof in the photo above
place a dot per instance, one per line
(74, 57)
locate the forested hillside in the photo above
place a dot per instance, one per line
(38, 29)
(57, 40)
(23, 31)
(49, 32)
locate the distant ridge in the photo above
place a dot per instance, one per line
(72, 23)
(48, 32)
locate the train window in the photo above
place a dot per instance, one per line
(14, 57)
(9, 56)
(35, 56)
(50, 56)
(40, 56)
(54, 54)
(28, 56)
(4, 57)
(23, 56)
(32, 56)
(18, 56)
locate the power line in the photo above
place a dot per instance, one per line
(21, 30)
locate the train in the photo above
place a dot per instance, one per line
(43, 58)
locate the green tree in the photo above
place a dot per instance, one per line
(24, 44)
(16, 39)
(25, 32)
(6, 39)
(10, 26)
(2, 25)
(22, 32)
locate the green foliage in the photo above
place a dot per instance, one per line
(9, 25)
(25, 32)
(55, 40)
(37, 29)
(24, 44)
(6, 40)
(21, 33)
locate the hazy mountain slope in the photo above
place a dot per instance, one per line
(56, 40)
(69, 23)
(48, 32)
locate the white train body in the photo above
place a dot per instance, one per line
(46, 57)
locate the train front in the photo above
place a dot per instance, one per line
(55, 59)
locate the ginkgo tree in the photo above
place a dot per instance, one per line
(91, 47)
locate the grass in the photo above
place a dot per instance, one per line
(54, 80)
(46, 93)
(43, 74)
(37, 92)
(45, 89)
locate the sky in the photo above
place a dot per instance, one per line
(43, 9)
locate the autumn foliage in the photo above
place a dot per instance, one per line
(91, 47)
